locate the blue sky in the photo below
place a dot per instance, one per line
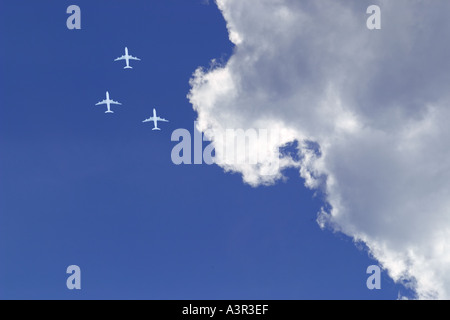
(99, 191)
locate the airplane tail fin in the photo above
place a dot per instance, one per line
(128, 67)
(156, 129)
(109, 111)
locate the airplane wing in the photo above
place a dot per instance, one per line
(161, 119)
(149, 119)
(102, 102)
(121, 58)
(133, 58)
(114, 102)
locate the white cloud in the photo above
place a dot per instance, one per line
(376, 102)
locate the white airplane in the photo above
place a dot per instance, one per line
(108, 103)
(155, 120)
(127, 58)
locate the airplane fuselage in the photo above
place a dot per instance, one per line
(155, 120)
(127, 58)
(108, 103)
